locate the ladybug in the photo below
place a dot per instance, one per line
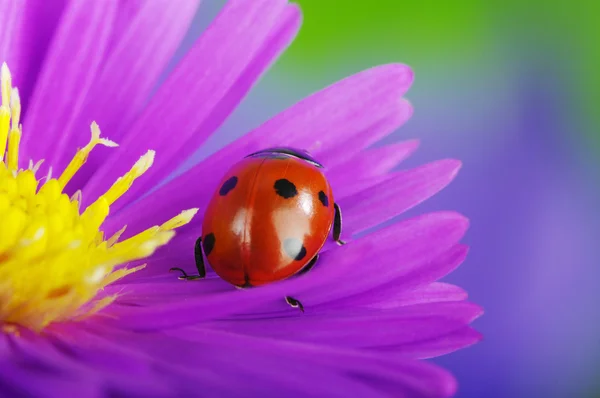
(268, 220)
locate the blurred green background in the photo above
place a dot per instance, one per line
(448, 34)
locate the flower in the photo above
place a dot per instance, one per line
(374, 307)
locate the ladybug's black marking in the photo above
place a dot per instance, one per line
(294, 248)
(208, 243)
(285, 188)
(323, 198)
(228, 185)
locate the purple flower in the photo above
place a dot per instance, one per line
(89, 313)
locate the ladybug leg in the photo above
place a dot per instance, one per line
(199, 257)
(294, 303)
(310, 265)
(337, 225)
(184, 276)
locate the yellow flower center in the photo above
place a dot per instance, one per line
(54, 259)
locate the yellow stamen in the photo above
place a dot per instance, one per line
(4, 128)
(5, 89)
(12, 157)
(15, 108)
(14, 138)
(82, 154)
(180, 220)
(5, 83)
(124, 183)
(113, 239)
(54, 259)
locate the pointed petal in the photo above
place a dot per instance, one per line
(142, 49)
(359, 328)
(390, 253)
(91, 368)
(12, 15)
(285, 366)
(25, 34)
(366, 168)
(446, 344)
(395, 195)
(386, 255)
(434, 292)
(203, 89)
(69, 69)
(416, 286)
(344, 149)
(366, 103)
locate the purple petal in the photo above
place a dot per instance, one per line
(434, 292)
(79, 368)
(359, 328)
(70, 67)
(203, 90)
(12, 15)
(142, 48)
(341, 273)
(396, 195)
(368, 102)
(415, 286)
(441, 345)
(380, 257)
(365, 169)
(95, 358)
(342, 150)
(436, 269)
(28, 29)
(332, 371)
(164, 289)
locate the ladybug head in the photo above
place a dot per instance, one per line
(287, 151)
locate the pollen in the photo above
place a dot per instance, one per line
(54, 257)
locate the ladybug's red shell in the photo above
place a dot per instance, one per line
(270, 216)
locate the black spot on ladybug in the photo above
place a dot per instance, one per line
(208, 243)
(228, 186)
(294, 248)
(285, 188)
(323, 198)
